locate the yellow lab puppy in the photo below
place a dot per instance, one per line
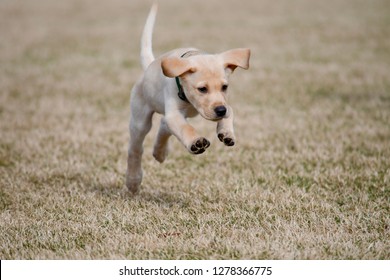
(179, 84)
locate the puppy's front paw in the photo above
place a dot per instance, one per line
(226, 139)
(199, 145)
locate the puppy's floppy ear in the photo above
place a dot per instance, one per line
(236, 58)
(175, 67)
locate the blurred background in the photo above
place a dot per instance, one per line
(308, 178)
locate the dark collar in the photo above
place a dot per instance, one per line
(181, 93)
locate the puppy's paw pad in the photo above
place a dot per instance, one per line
(199, 145)
(228, 141)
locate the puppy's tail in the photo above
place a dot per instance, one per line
(147, 56)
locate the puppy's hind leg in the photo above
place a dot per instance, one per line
(140, 124)
(161, 147)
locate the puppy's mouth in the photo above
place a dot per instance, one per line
(216, 114)
(213, 119)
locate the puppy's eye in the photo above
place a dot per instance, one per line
(224, 88)
(202, 89)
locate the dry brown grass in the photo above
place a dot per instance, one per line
(308, 179)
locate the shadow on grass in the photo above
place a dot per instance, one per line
(163, 196)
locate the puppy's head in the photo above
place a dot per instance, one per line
(205, 79)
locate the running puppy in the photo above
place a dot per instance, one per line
(179, 84)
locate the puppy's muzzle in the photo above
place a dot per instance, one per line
(220, 111)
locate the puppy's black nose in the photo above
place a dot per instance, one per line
(220, 111)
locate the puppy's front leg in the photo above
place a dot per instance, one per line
(186, 134)
(225, 130)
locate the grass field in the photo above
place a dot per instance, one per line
(309, 176)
